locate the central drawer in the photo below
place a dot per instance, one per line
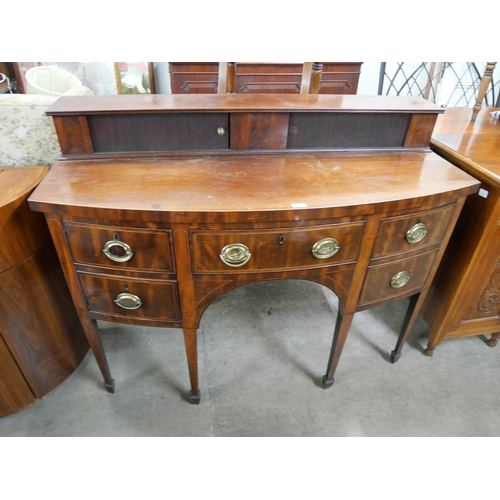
(246, 251)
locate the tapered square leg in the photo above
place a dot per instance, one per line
(339, 337)
(94, 337)
(190, 343)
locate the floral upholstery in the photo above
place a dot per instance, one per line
(27, 136)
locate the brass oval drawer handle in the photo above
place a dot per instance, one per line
(325, 248)
(235, 254)
(118, 258)
(416, 233)
(128, 301)
(399, 280)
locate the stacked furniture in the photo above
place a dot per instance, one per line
(160, 204)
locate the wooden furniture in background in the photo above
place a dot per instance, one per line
(264, 78)
(41, 339)
(162, 204)
(465, 297)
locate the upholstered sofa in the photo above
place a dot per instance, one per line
(27, 136)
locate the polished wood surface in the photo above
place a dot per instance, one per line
(321, 216)
(171, 103)
(464, 299)
(41, 339)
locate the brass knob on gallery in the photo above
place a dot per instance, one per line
(325, 248)
(416, 233)
(399, 280)
(118, 251)
(235, 254)
(221, 131)
(128, 301)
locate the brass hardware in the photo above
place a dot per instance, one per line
(399, 280)
(325, 248)
(221, 131)
(235, 254)
(281, 240)
(128, 301)
(416, 233)
(117, 243)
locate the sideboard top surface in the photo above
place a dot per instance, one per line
(67, 105)
(241, 188)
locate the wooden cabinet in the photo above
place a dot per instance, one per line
(465, 298)
(41, 339)
(184, 227)
(263, 78)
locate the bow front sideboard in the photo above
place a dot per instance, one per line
(160, 204)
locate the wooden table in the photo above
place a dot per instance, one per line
(41, 339)
(465, 297)
(161, 205)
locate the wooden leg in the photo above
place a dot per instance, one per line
(192, 359)
(416, 302)
(341, 330)
(493, 341)
(430, 349)
(94, 338)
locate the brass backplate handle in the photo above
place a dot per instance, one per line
(118, 258)
(235, 254)
(128, 301)
(400, 279)
(325, 248)
(416, 233)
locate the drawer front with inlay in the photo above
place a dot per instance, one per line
(119, 247)
(396, 279)
(131, 298)
(410, 232)
(241, 251)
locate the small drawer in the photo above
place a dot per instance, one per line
(118, 247)
(133, 298)
(410, 232)
(243, 251)
(399, 278)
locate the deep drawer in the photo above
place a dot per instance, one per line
(410, 232)
(390, 280)
(212, 251)
(146, 299)
(151, 249)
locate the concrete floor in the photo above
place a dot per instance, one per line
(263, 349)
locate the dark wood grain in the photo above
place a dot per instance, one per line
(42, 341)
(73, 134)
(159, 298)
(259, 131)
(151, 249)
(14, 390)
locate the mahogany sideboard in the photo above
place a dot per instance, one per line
(262, 78)
(160, 204)
(41, 338)
(465, 297)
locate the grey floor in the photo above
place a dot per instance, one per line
(263, 349)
